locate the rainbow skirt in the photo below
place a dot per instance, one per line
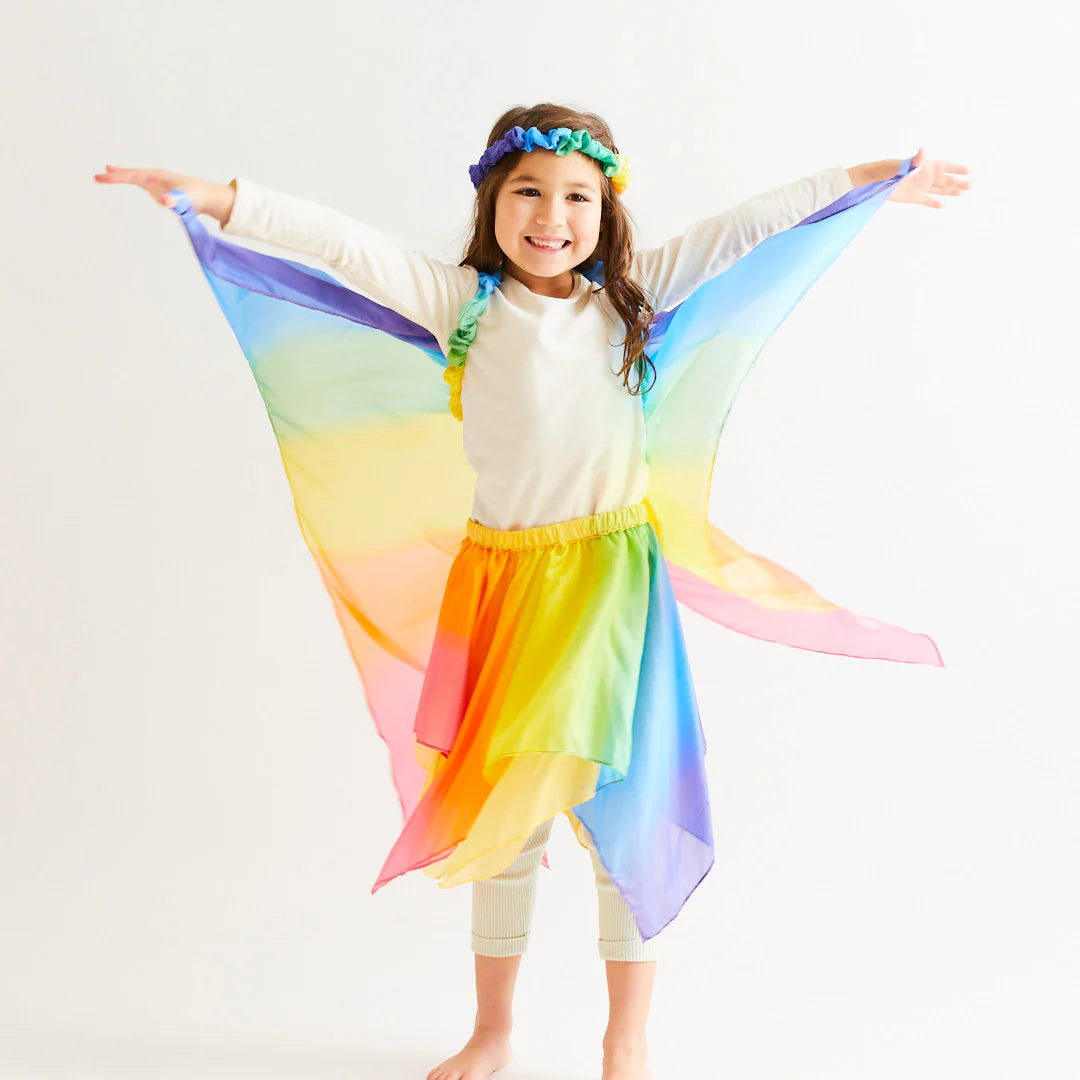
(559, 683)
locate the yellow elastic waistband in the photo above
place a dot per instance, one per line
(558, 532)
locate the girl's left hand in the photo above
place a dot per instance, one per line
(928, 178)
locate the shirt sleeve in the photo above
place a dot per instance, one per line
(671, 272)
(425, 290)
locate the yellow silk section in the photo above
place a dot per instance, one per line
(705, 550)
(554, 783)
(338, 475)
(382, 507)
(686, 419)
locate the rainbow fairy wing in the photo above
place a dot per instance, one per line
(704, 349)
(374, 459)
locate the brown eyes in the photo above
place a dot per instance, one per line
(574, 194)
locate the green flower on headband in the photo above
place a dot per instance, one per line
(614, 166)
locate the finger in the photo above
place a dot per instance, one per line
(946, 175)
(949, 186)
(113, 175)
(133, 175)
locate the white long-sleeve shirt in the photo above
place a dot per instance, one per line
(549, 428)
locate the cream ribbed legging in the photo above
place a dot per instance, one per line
(502, 908)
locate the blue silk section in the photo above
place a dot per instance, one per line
(653, 829)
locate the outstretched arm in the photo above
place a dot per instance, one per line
(672, 271)
(425, 290)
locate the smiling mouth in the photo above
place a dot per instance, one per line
(546, 247)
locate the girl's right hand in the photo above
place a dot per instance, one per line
(206, 196)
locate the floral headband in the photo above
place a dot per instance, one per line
(562, 140)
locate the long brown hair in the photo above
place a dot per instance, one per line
(614, 248)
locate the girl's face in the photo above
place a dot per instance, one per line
(548, 198)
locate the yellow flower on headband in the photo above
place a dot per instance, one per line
(621, 177)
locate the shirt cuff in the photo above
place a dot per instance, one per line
(838, 176)
(249, 207)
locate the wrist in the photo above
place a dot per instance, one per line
(873, 172)
(219, 201)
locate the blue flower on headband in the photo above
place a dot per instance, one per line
(562, 140)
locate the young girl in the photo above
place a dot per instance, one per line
(533, 664)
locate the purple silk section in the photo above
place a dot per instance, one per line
(284, 279)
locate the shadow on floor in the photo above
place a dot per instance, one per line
(45, 1056)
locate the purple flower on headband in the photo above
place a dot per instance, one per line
(562, 140)
(517, 138)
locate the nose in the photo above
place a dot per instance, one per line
(550, 212)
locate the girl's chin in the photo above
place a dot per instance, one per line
(547, 267)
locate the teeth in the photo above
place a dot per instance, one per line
(551, 244)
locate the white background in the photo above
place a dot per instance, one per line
(194, 801)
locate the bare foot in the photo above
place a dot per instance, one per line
(486, 1052)
(626, 1063)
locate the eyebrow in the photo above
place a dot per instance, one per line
(537, 180)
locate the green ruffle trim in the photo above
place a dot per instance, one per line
(465, 334)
